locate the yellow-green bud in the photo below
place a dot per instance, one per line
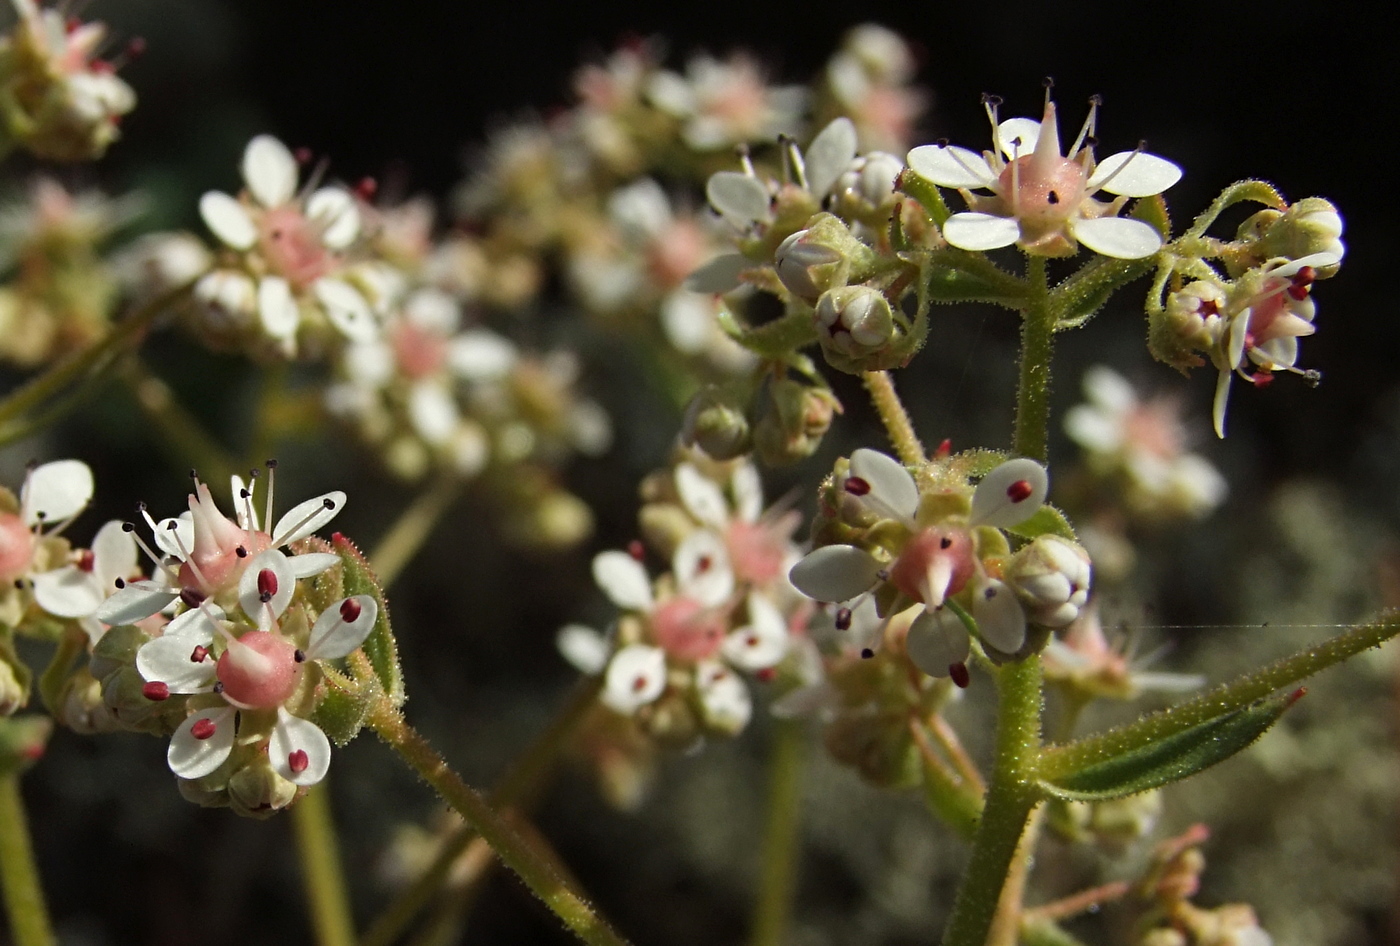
(256, 791)
(855, 325)
(716, 423)
(797, 418)
(1311, 225)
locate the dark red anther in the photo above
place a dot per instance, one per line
(944, 448)
(303, 155)
(155, 691)
(1209, 307)
(203, 728)
(960, 675)
(198, 654)
(639, 684)
(1261, 379)
(703, 564)
(267, 584)
(72, 23)
(766, 675)
(350, 610)
(191, 597)
(1019, 491)
(637, 550)
(857, 486)
(33, 752)
(298, 761)
(1305, 277)
(366, 189)
(85, 560)
(843, 619)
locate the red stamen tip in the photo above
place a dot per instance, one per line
(636, 549)
(298, 761)
(350, 610)
(1019, 491)
(72, 23)
(102, 67)
(303, 155)
(944, 448)
(857, 486)
(639, 684)
(33, 752)
(960, 675)
(1262, 379)
(267, 582)
(155, 691)
(203, 729)
(136, 48)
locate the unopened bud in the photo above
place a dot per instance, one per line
(805, 267)
(14, 693)
(81, 708)
(879, 747)
(854, 323)
(1051, 578)
(22, 742)
(865, 190)
(115, 650)
(1308, 226)
(797, 418)
(257, 791)
(716, 423)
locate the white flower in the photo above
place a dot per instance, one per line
(725, 103)
(78, 589)
(1043, 200)
(52, 496)
(301, 241)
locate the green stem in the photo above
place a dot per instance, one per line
(24, 894)
(1037, 347)
(894, 416)
(781, 837)
(1225, 699)
(322, 874)
(407, 535)
(180, 431)
(533, 867)
(1011, 797)
(520, 783)
(948, 795)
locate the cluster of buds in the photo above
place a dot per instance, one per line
(58, 99)
(933, 543)
(674, 662)
(1138, 449)
(1171, 919)
(61, 296)
(1248, 319)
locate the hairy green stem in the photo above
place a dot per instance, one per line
(322, 874)
(894, 417)
(518, 787)
(781, 836)
(1037, 347)
(1237, 694)
(535, 868)
(1011, 798)
(407, 535)
(24, 893)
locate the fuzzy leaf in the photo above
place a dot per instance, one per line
(1047, 520)
(1176, 757)
(341, 715)
(358, 579)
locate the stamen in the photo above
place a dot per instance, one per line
(766, 675)
(1019, 491)
(267, 584)
(188, 557)
(1119, 170)
(158, 560)
(1086, 133)
(199, 654)
(191, 597)
(843, 619)
(866, 653)
(299, 655)
(857, 486)
(636, 550)
(799, 167)
(960, 675)
(746, 160)
(271, 482)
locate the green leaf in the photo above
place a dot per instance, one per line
(1178, 756)
(359, 579)
(1047, 521)
(341, 715)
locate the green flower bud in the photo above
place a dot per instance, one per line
(821, 257)
(22, 742)
(14, 693)
(1051, 578)
(880, 748)
(716, 423)
(1308, 226)
(257, 791)
(81, 707)
(855, 326)
(797, 418)
(116, 650)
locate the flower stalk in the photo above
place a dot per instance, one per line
(408, 533)
(19, 874)
(322, 873)
(895, 418)
(782, 836)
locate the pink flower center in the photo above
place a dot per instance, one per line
(419, 353)
(934, 564)
(259, 670)
(292, 244)
(16, 547)
(687, 630)
(755, 552)
(1042, 193)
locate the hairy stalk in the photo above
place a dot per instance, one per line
(1075, 904)
(322, 874)
(1011, 797)
(407, 535)
(894, 417)
(949, 742)
(535, 868)
(1037, 347)
(24, 893)
(521, 783)
(1006, 925)
(781, 836)
(180, 431)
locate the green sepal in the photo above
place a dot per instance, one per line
(774, 340)
(341, 715)
(1178, 756)
(359, 579)
(1047, 520)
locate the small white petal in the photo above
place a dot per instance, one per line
(701, 496)
(1118, 237)
(347, 309)
(333, 637)
(481, 355)
(1093, 429)
(250, 598)
(636, 676)
(978, 231)
(1010, 494)
(335, 210)
(1134, 174)
(702, 569)
(1109, 389)
(270, 171)
(298, 750)
(951, 166)
(817, 699)
(170, 658)
(169, 540)
(835, 573)
(305, 518)
(737, 196)
(1222, 398)
(137, 601)
(433, 412)
(583, 647)
(890, 483)
(936, 641)
(724, 697)
(228, 220)
(114, 554)
(623, 580)
(312, 563)
(763, 642)
(719, 275)
(67, 592)
(1000, 618)
(1159, 682)
(277, 310)
(195, 758)
(53, 492)
(829, 154)
(1018, 136)
(748, 491)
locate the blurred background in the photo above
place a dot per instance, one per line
(1305, 825)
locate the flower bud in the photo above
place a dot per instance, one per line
(116, 650)
(81, 708)
(1308, 226)
(22, 742)
(854, 323)
(716, 423)
(797, 418)
(865, 190)
(1192, 321)
(1051, 578)
(819, 258)
(14, 693)
(257, 791)
(125, 694)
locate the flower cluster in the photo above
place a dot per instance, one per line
(935, 544)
